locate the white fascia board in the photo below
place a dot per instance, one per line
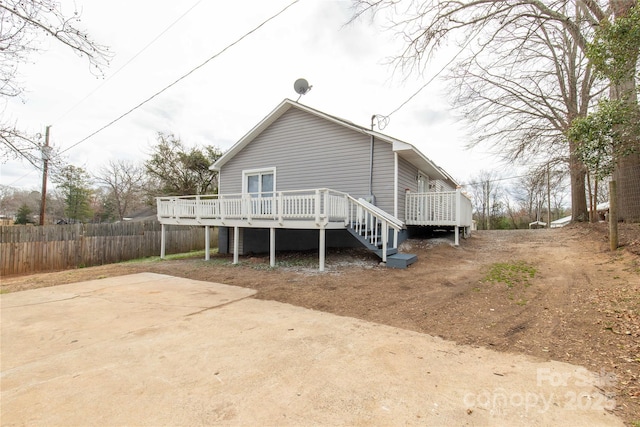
(422, 162)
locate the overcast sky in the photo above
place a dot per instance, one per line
(222, 101)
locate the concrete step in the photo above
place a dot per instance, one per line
(401, 260)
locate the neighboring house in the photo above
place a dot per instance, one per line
(559, 223)
(302, 179)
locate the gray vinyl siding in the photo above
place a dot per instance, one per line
(407, 174)
(442, 185)
(310, 152)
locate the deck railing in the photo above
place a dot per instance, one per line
(319, 205)
(445, 208)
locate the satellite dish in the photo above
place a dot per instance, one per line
(301, 86)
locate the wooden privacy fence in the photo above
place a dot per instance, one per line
(30, 249)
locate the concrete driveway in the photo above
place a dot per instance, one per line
(156, 350)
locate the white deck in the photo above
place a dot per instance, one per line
(314, 209)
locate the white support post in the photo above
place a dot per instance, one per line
(272, 247)
(385, 237)
(322, 248)
(457, 242)
(395, 238)
(206, 243)
(236, 244)
(163, 241)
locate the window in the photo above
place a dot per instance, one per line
(260, 182)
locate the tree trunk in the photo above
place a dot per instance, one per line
(627, 175)
(578, 189)
(627, 168)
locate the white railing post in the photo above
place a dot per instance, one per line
(249, 207)
(197, 208)
(327, 210)
(317, 207)
(280, 208)
(347, 211)
(458, 205)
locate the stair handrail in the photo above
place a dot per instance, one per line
(393, 222)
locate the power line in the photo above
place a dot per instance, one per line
(472, 37)
(129, 61)
(181, 78)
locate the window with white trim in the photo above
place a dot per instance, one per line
(259, 182)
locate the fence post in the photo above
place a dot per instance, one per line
(613, 215)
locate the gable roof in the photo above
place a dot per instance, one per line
(404, 149)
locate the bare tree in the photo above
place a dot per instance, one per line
(22, 26)
(485, 192)
(531, 195)
(526, 77)
(125, 182)
(522, 90)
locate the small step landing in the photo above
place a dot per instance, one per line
(401, 260)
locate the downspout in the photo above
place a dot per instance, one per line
(371, 162)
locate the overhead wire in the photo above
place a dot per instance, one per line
(128, 62)
(229, 46)
(163, 32)
(462, 49)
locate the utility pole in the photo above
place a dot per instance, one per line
(46, 154)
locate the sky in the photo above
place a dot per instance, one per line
(346, 64)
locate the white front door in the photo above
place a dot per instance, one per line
(423, 183)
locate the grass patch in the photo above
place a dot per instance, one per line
(511, 274)
(184, 255)
(516, 276)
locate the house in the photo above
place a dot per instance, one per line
(303, 179)
(559, 223)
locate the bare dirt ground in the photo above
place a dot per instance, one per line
(555, 294)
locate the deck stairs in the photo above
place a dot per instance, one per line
(370, 227)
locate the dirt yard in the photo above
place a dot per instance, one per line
(555, 294)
